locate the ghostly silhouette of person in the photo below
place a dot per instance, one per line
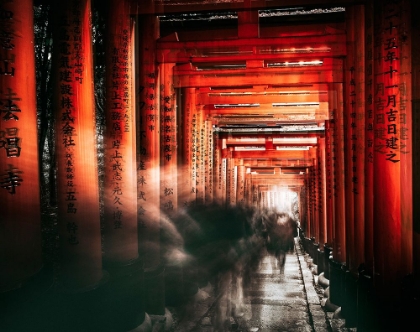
(281, 229)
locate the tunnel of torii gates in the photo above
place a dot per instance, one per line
(249, 116)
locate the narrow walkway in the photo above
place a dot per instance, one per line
(269, 302)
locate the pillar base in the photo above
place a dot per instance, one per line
(146, 326)
(162, 322)
(154, 286)
(323, 281)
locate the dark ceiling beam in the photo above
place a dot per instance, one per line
(271, 43)
(185, 6)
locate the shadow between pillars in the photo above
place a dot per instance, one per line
(116, 304)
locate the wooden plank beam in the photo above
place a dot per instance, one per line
(183, 6)
(288, 44)
(261, 98)
(273, 154)
(277, 79)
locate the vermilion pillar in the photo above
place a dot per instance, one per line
(416, 153)
(77, 176)
(188, 185)
(336, 99)
(369, 132)
(391, 149)
(200, 156)
(240, 183)
(120, 186)
(355, 111)
(321, 178)
(350, 143)
(329, 128)
(168, 151)
(315, 190)
(148, 164)
(231, 179)
(359, 133)
(406, 138)
(219, 166)
(20, 224)
(208, 161)
(148, 141)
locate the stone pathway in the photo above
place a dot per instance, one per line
(269, 302)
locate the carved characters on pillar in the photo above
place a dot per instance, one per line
(208, 160)
(389, 91)
(11, 177)
(168, 113)
(20, 215)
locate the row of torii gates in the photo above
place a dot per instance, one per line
(355, 182)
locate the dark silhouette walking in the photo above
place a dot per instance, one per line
(281, 230)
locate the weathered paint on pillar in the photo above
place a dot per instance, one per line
(231, 179)
(120, 185)
(406, 137)
(148, 141)
(315, 194)
(416, 141)
(339, 248)
(168, 151)
(77, 172)
(322, 193)
(240, 185)
(350, 144)
(200, 171)
(20, 224)
(208, 161)
(187, 188)
(217, 155)
(329, 128)
(369, 151)
(388, 146)
(357, 139)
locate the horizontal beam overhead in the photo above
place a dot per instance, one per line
(278, 79)
(182, 6)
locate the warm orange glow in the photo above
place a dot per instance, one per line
(20, 222)
(148, 138)
(77, 175)
(120, 187)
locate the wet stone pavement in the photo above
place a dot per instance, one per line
(269, 301)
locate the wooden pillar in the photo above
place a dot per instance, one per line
(350, 144)
(231, 179)
(315, 190)
(120, 186)
(416, 140)
(77, 176)
(336, 98)
(200, 153)
(406, 137)
(218, 169)
(240, 185)
(148, 165)
(392, 156)
(329, 161)
(20, 225)
(148, 141)
(356, 122)
(208, 161)
(187, 184)
(321, 179)
(168, 129)
(369, 151)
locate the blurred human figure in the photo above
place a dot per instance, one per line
(281, 230)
